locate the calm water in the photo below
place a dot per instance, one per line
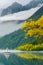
(18, 59)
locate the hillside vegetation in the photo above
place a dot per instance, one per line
(28, 37)
(33, 29)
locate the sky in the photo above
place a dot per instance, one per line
(6, 3)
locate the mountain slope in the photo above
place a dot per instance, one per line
(37, 14)
(28, 37)
(33, 29)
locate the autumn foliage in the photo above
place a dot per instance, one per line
(33, 27)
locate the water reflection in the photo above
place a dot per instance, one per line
(24, 58)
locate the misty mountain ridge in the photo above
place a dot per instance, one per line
(16, 7)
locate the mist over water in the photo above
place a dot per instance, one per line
(9, 27)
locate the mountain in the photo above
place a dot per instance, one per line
(11, 23)
(16, 7)
(28, 37)
(0, 11)
(33, 28)
(37, 14)
(33, 4)
(23, 15)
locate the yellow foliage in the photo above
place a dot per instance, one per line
(30, 56)
(30, 46)
(33, 27)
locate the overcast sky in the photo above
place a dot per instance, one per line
(5, 3)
